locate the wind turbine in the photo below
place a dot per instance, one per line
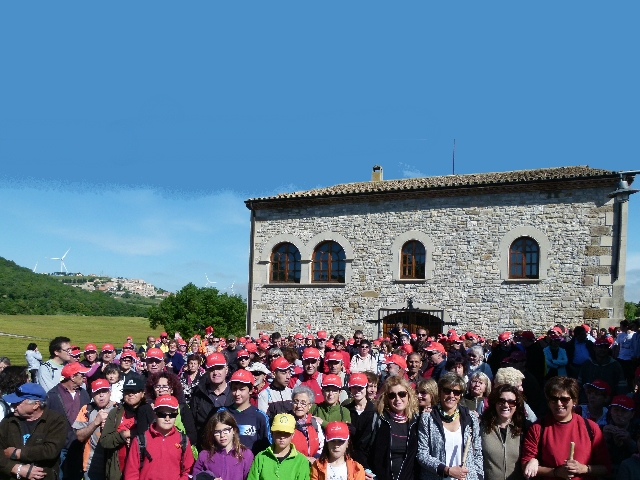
(34, 268)
(208, 281)
(232, 292)
(62, 265)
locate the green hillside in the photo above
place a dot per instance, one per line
(27, 293)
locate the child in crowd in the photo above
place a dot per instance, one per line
(224, 456)
(281, 460)
(167, 453)
(335, 461)
(598, 394)
(112, 374)
(372, 386)
(621, 431)
(330, 409)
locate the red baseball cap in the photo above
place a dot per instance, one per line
(309, 337)
(407, 348)
(398, 360)
(358, 380)
(600, 385)
(181, 341)
(75, 351)
(127, 345)
(166, 401)
(298, 336)
(100, 384)
(242, 376)
(333, 356)
(623, 401)
(242, 353)
(528, 334)
(155, 353)
(70, 369)
(107, 347)
(504, 336)
(470, 335)
(280, 363)
(242, 340)
(215, 359)
(336, 431)
(435, 347)
(322, 334)
(90, 347)
(310, 352)
(329, 380)
(129, 354)
(251, 347)
(608, 341)
(163, 334)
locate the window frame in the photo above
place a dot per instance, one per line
(291, 249)
(524, 254)
(413, 264)
(329, 261)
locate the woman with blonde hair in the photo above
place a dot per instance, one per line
(478, 391)
(427, 391)
(223, 455)
(444, 433)
(514, 377)
(389, 449)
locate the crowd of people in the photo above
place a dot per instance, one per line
(564, 404)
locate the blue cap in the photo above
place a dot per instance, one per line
(28, 391)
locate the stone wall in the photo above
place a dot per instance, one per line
(468, 279)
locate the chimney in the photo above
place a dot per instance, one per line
(376, 176)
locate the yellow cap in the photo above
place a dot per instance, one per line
(283, 422)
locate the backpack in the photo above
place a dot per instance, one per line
(144, 453)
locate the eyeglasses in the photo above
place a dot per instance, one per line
(224, 431)
(449, 391)
(338, 343)
(161, 387)
(302, 403)
(421, 334)
(364, 346)
(310, 361)
(394, 395)
(422, 392)
(230, 341)
(563, 400)
(506, 401)
(166, 414)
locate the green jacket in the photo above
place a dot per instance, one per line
(111, 440)
(335, 413)
(265, 466)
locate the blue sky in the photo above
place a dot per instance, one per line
(132, 132)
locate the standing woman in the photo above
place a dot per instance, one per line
(427, 391)
(502, 427)
(391, 446)
(444, 432)
(191, 375)
(478, 391)
(34, 359)
(549, 456)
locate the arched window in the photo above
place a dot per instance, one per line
(524, 258)
(329, 263)
(285, 263)
(413, 260)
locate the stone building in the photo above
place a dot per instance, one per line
(486, 252)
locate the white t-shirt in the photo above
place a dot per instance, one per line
(337, 473)
(624, 341)
(453, 448)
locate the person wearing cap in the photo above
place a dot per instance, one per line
(363, 360)
(501, 351)
(36, 454)
(437, 360)
(164, 342)
(281, 459)
(361, 409)
(107, 355)
(339, 344)
(90, 355)
(253, 424)
(124, 422)
(311, 377)
(276, 398)
(334, 364)
(154, 362)
(579, 350)
(547, 442)
(604, 367)
(173, 359)
(621, 431)
(598, 395)
(167, 457)
(335, 461)
(49, 372)
(128, 360)
(68, 398)
(243, 359)
(396, 366)
(75, 353)
(211, 394)
(330, 408)
(88, 426)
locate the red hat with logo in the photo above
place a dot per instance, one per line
(129, 354)
(435, 347)
(90, 347)
(242, 340)
(398, 360)
(242, 353)
(251, 347)
(322, 334)
(623, 401)
(329, 380)
(279, 363)
(127, 346)
(414, 336)
(470, 336)
(504, 336)
(71, 369)
(75, 351)
(407, 348)
(351, 341)
(155, 353)
(166, 401)
(299, 336)
(242, 376)
(107, 347)
(310, 353)
(181, 342)
(215, 360)
(333, 357)
(336, 431)
(600, 385)
(608, 341)
(358, 380)
(100, 384)
(310, 337)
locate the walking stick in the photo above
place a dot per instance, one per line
(572, 450)
(465, 452)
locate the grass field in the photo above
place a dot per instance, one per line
(40, 329)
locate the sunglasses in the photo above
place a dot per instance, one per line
(563, 400)
(449, 391)
(421, 334)
(394, 395)
(506, 401)
(166, 414)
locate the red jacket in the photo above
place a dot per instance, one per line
(306, 444)
(355, 471)
(165, 453)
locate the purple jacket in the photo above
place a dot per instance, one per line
(224, 465)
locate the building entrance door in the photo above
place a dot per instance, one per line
(412, 321)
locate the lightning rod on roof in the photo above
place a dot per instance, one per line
(453, 160)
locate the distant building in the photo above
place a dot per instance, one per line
(486, 252)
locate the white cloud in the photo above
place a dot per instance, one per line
(409, 171)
